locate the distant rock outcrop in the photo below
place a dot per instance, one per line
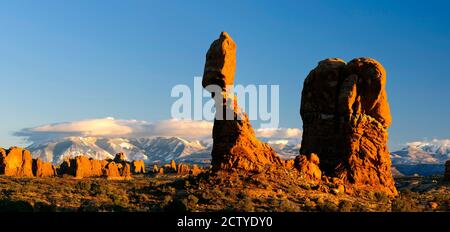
(138, 167)
(447, 171)
(115, 169)
(345, 116)
(16, 162)
(43, 169)
(235, 144)
(181, 169)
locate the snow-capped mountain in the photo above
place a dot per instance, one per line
(423, 152)
(150, 149)
(286, 149)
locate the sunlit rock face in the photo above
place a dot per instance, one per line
(112, 169)
(235, 144)
(345, 116)
(43, 169)
(16, 161)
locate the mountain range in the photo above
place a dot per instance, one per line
(157, 149)
(422, 157)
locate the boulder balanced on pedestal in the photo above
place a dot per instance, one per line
(235, 144)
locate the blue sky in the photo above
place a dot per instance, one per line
(72, 60)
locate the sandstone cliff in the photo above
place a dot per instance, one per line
(235, 144)
(115, 169)
(43, 169)
(345, 116)
(16, 162)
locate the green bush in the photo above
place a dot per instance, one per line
(83, 185)
(404, 204)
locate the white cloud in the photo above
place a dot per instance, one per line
(111, 127)
(92, 127)
(279, 133)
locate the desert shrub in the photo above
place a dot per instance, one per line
(83, 185)
(192, 201)
(89, 206)
(404, 204)
(327, 206)
(441, 197)
(166, 200)
(168, 190)
(309, 205)
(345, 206)
(288, 206)
(119, 200)
(381, 197)
(245, 205)
(98, 189)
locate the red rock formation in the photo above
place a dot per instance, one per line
(16, 162)
(186, 169)
(126, 172)
(155, 169)
(43, 169)
(173, 166)
(447, 171)
(309, 166)
(81, 167)
(138, 167)
(183, 169)
(111, 171)
(195, 170)
(345, 116)
(235, 144)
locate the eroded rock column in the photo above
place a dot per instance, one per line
(235, 144)
(345, 116)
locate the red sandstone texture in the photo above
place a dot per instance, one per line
(345, 116)
(235, 144)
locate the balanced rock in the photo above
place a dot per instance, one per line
(16, 162)
(43, 169)
(345, 116)
(235, 145)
